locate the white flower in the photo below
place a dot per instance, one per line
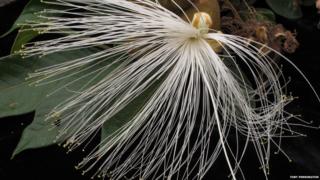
(200, 108)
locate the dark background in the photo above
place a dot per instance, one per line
(53, 163)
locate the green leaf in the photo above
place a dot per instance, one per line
(27, 14)
(261, 14)
(40, 132)
(23, 37)
(17, 97)
(286, 8)
(265, 14)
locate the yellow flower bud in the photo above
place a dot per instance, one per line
(202, 21)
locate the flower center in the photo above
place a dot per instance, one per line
(202, 21)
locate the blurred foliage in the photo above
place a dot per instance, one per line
(290, 9)
(260, 14)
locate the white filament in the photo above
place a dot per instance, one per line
(198, 108)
